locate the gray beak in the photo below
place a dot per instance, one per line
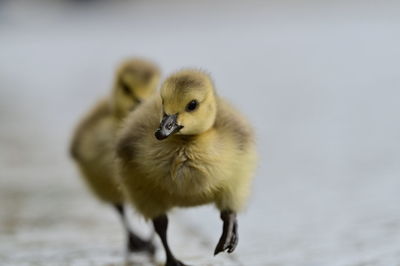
(168, 126)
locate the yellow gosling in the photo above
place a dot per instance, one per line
(93, 143)
(203, 151)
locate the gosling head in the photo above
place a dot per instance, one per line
(188, 104)
(136, 80)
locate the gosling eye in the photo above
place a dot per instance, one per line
(125, 88)
(192, 106)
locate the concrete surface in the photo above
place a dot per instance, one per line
(320, 81)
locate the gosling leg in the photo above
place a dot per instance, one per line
(229, 238)
(160, 225)
(134, 242)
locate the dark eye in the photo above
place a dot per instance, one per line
(192, 105)
(125, 88)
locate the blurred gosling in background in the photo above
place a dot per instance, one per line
(93, 142)
(202, 152)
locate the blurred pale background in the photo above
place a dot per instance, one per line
(320, 80)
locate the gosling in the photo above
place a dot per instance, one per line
(93, 143)
(203, 151)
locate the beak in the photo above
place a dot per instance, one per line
(168, 126)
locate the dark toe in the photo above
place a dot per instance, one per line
(233, 243)
(221, 246)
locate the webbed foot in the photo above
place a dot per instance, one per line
(229, 238)
(137, 244)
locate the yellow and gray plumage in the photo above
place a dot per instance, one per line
(93, 142)
(203, 152)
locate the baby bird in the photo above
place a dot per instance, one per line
(93, 142)
(202, 152)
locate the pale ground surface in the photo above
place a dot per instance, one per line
(320, 81)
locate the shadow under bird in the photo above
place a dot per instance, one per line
(93, 143)
(202, 152)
